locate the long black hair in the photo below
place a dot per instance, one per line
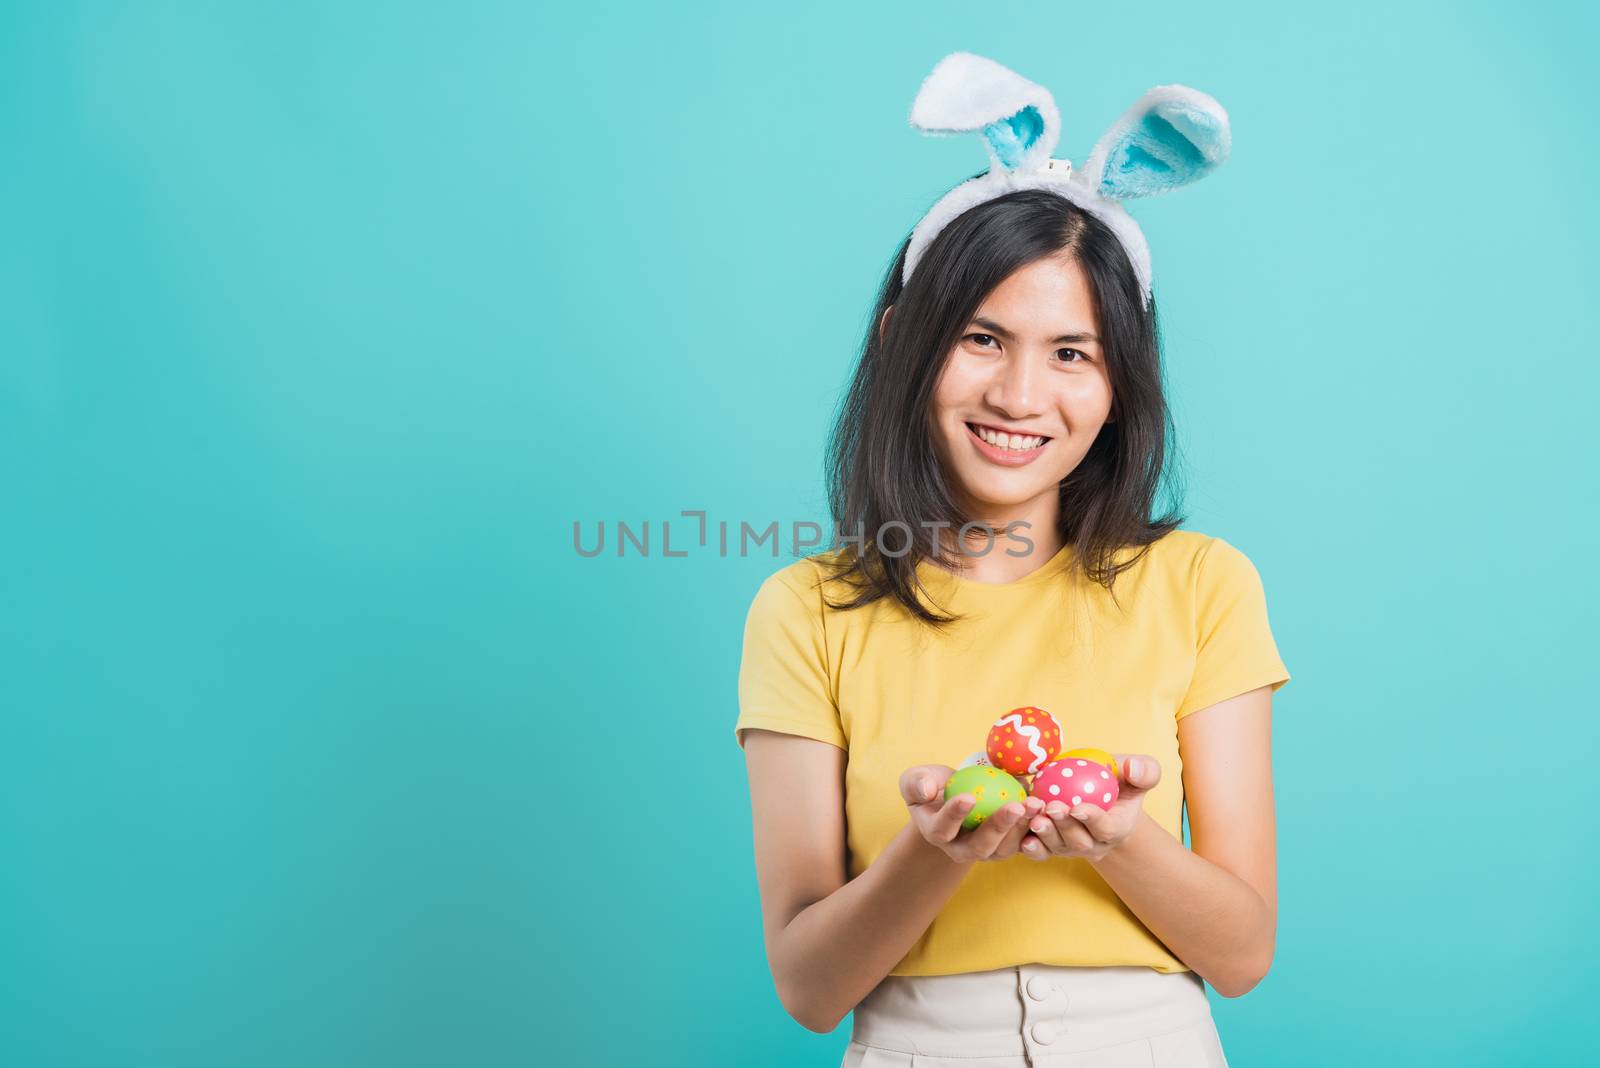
(882, 468)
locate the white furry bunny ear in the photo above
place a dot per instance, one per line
(1172, 136)
(966, 92)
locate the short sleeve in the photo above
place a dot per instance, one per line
(1234, 648)
(783, 672)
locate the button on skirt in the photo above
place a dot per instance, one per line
(1037, 1016)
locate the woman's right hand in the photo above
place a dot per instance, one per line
(939, 821)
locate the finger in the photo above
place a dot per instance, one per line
(1094, 820)
(1139, 772)
(920, 790)
(1028, 843)
(947, 822)
(986, 839)
(1013, 839)
(922, 784)
(1074, 838)
(1044, 827)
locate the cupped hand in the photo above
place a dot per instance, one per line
(939, 821)
(1086, 830)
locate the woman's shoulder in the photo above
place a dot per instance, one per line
(806, 575)
(1191, 559)
(1203, 562)
(1177, 550)
(1197, 547)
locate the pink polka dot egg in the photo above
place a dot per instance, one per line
(1074, 781)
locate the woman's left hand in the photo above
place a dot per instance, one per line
(1087, 830)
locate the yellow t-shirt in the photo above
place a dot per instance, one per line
(1191, 630)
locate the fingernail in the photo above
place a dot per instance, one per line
(927, 790)
(1036, 826)
(1134, 767)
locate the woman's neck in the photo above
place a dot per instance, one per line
(1034, 539)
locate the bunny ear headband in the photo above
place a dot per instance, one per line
(1171, 136)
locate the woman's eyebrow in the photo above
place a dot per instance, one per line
(995, 328)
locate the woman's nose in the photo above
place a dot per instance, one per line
(1016, 388)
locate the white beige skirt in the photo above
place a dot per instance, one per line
(1037, 1016)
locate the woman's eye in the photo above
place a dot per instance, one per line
(982, 340)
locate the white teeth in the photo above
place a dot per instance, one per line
(1012, 442)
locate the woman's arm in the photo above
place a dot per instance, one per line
(1216, 908)
(830, 941)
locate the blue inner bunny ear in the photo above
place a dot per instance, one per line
(1159, 154)
(1012, 137)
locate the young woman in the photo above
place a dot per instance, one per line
(1008, 410)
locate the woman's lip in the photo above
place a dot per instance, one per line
(1005, 457)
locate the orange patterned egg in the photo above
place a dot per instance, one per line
(1024, 740)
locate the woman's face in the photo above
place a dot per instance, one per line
(1030, 366)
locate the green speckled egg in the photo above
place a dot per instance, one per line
(991, 786)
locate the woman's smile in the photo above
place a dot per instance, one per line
(1007, 450)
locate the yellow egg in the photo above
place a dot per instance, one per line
(1098, 756)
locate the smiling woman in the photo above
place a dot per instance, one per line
(1013, 412)
(1024, 318)
(1012, 382)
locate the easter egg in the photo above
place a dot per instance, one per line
(1099, 756)
(1074, 781)
(1024, 740)
(975, 758)
(990, 787)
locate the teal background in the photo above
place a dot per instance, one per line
(322, 324)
